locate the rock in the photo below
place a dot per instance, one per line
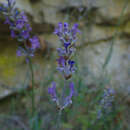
(98, 26)
(127, 28)
(94, 57)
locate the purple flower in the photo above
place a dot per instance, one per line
(52, 91)
(21, 21)
(24, 17)
(16, 13)
(65, 34)
(60, 27)
(71, 89)
(75, 29)
(66, 45)
(58, 30)
(68, 99)
(25, 34)
(1, 8)
(34, 42)
(28, 27)
(61, 61)
(13, 35)
(66, 66)
(19, 24)
(66, 28)
(61, 52)
(7, 21)
(71, 63)
(67, 37)
(21, 52)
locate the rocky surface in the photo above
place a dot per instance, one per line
(105, 33)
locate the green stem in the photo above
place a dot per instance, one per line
(32, 90)
(58, 120)
(108, 58)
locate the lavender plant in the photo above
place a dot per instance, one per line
(20, 29)
(106, 102)
(66, 66)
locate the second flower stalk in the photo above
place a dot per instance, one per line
(66, 66)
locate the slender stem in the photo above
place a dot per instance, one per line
(58, 120)
(115, 35)
(61, 101)
(32, 90)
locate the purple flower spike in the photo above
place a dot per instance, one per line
(67, 37)
(18, 52)
(66, 66)
(106, 102)
(20, 28)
